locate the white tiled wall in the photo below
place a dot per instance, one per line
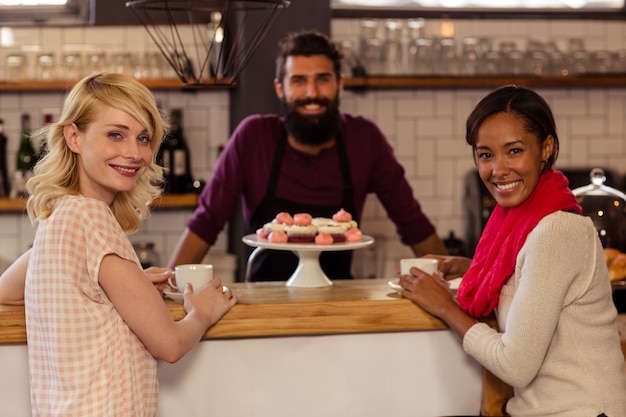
(425, 127)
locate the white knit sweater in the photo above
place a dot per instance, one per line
(558, 344)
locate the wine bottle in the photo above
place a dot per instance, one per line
(25, 161)
(43, 145)
(4, 175)
(26, 155)
(175, 157)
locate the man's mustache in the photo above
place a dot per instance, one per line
(324, 102)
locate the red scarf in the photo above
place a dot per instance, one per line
(503, 238)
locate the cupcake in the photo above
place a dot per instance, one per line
(344, 218)
(354, 235)
(273, 226)
(278, 236)
(336, 231)
(324, 239)
(302, 219)
(321, 221)
(301, 234)
(283, 218)
(260, 232)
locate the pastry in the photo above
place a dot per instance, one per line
(277, 236)
(610, 254)
(284, 218)
(336, 231)
(301, 234)
(302, 219)
(617, 268)
(324, 239)
(354, 235)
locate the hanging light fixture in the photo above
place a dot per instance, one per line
(198, 40)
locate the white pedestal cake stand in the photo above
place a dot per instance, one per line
(309, 273)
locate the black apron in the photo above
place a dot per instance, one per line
(274, 265)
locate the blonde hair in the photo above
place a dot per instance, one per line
(56, 174)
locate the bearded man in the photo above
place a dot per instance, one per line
(312, 159)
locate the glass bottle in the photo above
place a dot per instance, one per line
(25, 159)
(43, 146)
(148, 256)
(175, 157)
(4, 176)
(26, 153)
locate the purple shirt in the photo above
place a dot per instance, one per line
(243, 169)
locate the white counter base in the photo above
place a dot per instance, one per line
(417, 374)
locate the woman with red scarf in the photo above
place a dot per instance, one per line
(539, 267)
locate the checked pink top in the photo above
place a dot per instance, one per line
(84, 360)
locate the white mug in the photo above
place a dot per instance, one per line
(425, 264)
(198, 275)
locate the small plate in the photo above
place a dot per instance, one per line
(395, 285)
(453, 283)
(175, 296)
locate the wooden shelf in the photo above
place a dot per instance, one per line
(400, 82)
(64, 85)
(165, 202)
(374, 82)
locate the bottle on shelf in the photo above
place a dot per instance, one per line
(26, 159)
(4, 175)
(175, 158)
(43, 145)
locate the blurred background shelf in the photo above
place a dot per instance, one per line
(374, 82)
(165, 202)
(63, 85)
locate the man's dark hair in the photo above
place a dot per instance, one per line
(307, 43)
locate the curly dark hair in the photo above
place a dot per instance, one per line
(307, 43)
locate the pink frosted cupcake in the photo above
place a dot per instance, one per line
(301, 234)
(321, 221)
(344, 218)
(278, 237)
(353, 235)
(284, 218)
(302, 219)
(324, 239)
(336, 231)
(273, 227)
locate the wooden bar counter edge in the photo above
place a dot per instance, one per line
(273, 309)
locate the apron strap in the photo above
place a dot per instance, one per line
(278, 159)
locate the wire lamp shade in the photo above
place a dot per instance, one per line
(198, 41)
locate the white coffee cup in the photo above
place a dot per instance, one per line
(198, 275)
(425, 264)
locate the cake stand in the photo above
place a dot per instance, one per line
(309, 273)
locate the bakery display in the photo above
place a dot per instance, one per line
(304, 228)
(616, 263)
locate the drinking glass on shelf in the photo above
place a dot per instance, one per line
(421, 56)
(471, 55)
(370, 46)
(446, 60)
(491, 63)
(15, 68)
(96, 62)
(72, 66)
(393, 54)
(45, 67)
(350, 60)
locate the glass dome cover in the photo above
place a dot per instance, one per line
(606, 206)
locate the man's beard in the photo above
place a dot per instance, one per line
(312, 130)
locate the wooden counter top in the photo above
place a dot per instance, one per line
(273, 309)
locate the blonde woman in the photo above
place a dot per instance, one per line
(95, 321)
